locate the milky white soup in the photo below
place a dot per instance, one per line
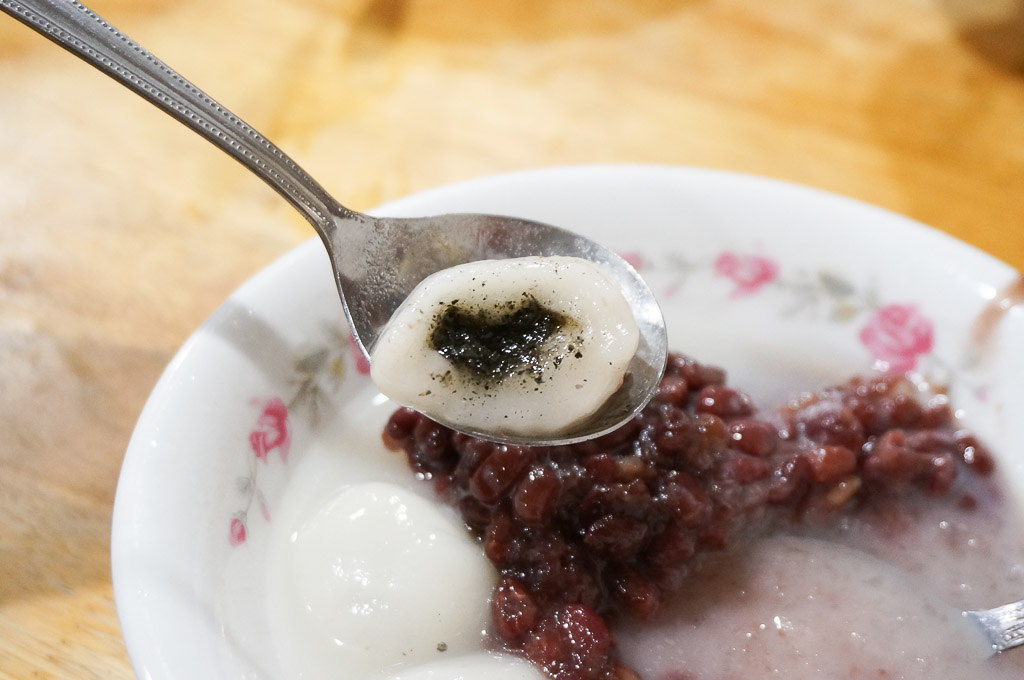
(527, 346)
(803, 608)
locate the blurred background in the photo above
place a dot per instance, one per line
(120, 230)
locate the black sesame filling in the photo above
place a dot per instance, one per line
(509, 339)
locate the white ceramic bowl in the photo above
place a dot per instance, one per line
(786, 287)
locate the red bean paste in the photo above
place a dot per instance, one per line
(612, 527)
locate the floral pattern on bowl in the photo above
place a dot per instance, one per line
(895, 335)
(317, 374)
(271, 433)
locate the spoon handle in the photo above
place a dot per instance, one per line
(84, 33)
(1003, 626)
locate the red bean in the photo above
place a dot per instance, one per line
(829, 423)
(630, 499)
(587, 631)
(699, 375)
(603, 468)
(936, 415)
(789, 481)
(890, 461)
(471, 454)
(831, 463)
(673, 546)
(515, 611)
(536, 496)
(672, 390)
(724, 402)
(904, 411)
(754, 437)
(683, 496)
(942, 474)
(545, 648)
(501, 544)
(639, 594)
(615, 525)
(619, 537)
(931, 441)
(499, 472)
(673, 434)
(974, 453)
(399, 428)
(434, 452)
(746, 469)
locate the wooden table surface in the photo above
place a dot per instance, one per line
(120, 230)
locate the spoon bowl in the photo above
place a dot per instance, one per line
(376, 261)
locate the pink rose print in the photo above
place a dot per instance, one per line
(362, 365)
(320, 370)
(271, 431)
(748, 272)
(236, 535)
(896, 335)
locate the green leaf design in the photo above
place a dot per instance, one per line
(835, 285)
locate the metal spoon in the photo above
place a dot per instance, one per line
(377, 260)
(1002, 627)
